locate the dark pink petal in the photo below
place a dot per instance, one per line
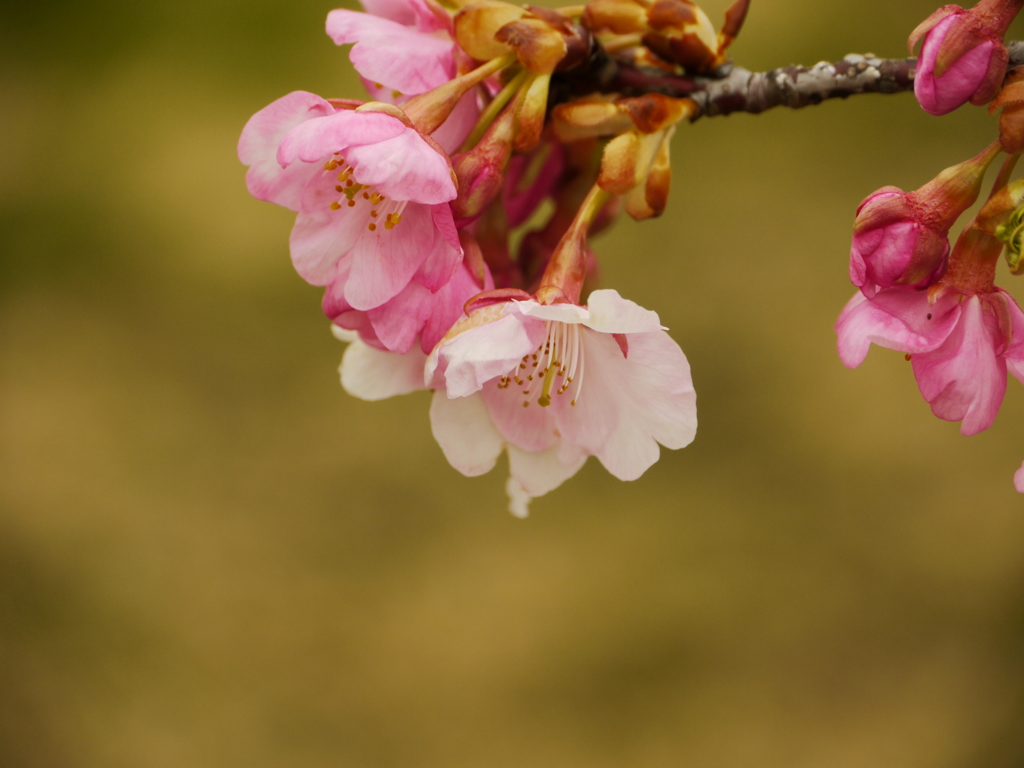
(447, 305)
(939, 96)
(897, 318)
(442, 257)
(399, 321)
(262, 136)
(316, 140)
(1014, 353)
(964, 379)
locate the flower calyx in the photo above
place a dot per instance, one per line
(1011, 121)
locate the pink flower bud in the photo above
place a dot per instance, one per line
(893, 244)
(901, 238)
(963, 57)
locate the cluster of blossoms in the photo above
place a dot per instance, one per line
(940, 306)
(408, 205)
(449, 217)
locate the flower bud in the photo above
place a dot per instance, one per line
(901, 238)
(477, 23)
(682, 32)
(621, 17)
(963, 57)
(1011, 121)
(480, 172)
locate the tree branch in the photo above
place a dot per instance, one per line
(740, 90)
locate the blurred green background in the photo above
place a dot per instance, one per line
(211, 556)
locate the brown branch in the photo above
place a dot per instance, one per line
(740, 90)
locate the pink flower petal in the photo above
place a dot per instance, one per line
(534, 473)
(403, 167)
(313, 141)
(897, 318)
(1018, 479)
(384, 261)
(964, 379)
(262, 135)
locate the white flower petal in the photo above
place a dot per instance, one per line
(610, 313)
(539, 472)
(465, 433)
(372, 374)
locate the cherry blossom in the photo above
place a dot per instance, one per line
(960, 343)
(370, 192)
(553, 384)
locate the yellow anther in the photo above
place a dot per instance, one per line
(371, 226)
(351, 203)
(335, 206)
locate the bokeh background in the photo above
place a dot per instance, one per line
(211, 556)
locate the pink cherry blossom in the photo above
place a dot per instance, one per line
(1018, 479)
(371, 196)
(961, 344)
(553, 384)
(404, 48)
(902, 246)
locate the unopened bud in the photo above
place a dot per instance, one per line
(901, 238)
(477, 23)
(531, 109)
(480, 172)
(963, 57)
(1011, 121)
(622, 17)
(682, 32)
(539, 46)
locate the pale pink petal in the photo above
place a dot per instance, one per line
(563, 313)
(465, 433)
(316, 140)
(384, 261)
(518, 499)
(610, 313)
(474, 357)
(539, 472)
(403, 167)
(534, 473)
(372, 374)
(1018, 479)
(897, 318)
(964, 378)
(532, 427)
(262, 136)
